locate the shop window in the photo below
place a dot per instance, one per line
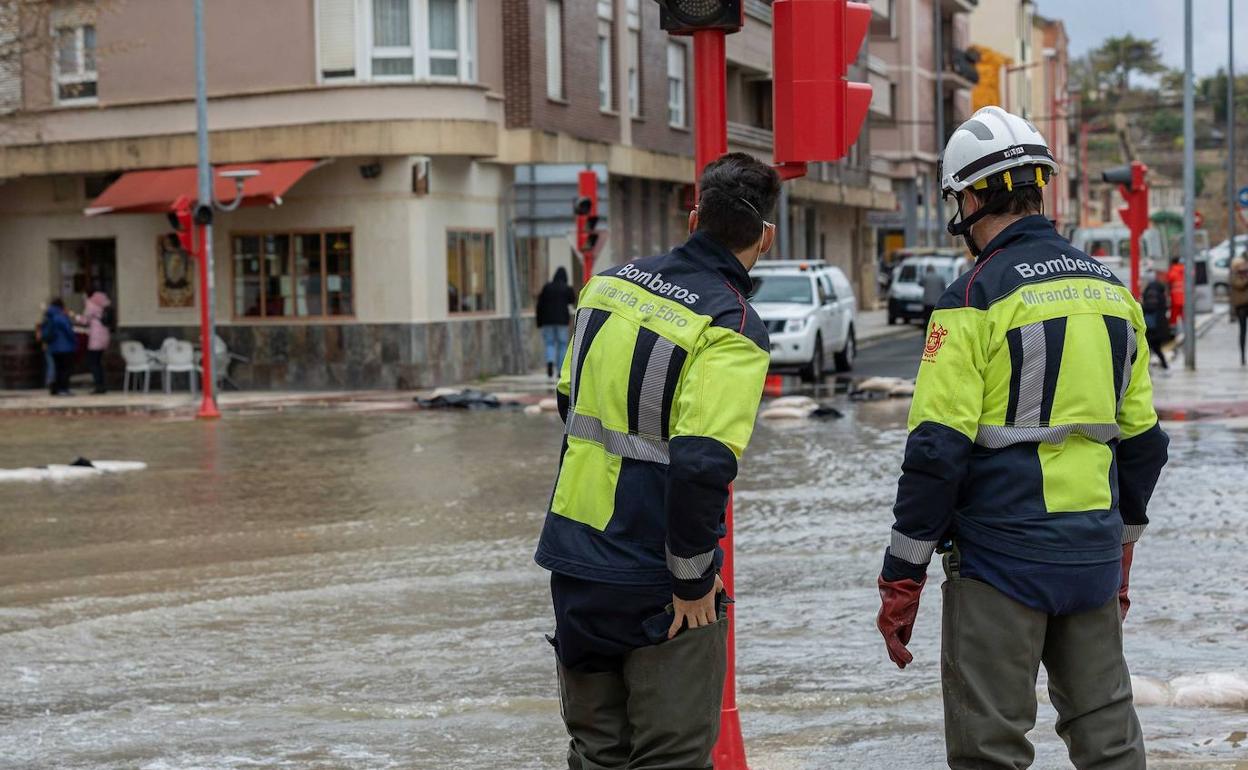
(469, 271)
(293, 275)
(75, 75)
(532, 267)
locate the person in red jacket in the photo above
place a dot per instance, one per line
(1174, 277)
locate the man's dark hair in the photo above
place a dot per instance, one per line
(1022, 200)
(57, 302)
(729, 187)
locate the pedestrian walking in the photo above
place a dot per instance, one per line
(1174, 278)
(933, 290)
(95, 317)
(553, 318)
(1033, 452)
(1238, 281)
(49, 365)
(1154, 304)
(659, 396)
(58, 336)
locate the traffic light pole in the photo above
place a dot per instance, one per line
(207, 320)
(710, 140)
(1189, 196)
(710, 98)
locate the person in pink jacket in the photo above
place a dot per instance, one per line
(98, 336)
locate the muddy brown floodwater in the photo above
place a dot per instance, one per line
(335, 590)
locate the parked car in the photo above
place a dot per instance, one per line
(1220, 262)
(1115, 241)
(810, 311)
(905, 294)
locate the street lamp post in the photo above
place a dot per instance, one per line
(1232, 191)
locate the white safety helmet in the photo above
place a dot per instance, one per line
(992, 150)
(991, 142)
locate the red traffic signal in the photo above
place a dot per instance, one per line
(684, 17)
(586, 209)
(818, 114)
(1132, 184)
(182, 221)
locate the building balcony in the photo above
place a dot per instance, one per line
(749, 136)
(315, 122)
(950, 7)
(959, 70)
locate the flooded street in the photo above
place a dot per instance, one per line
(325, 589)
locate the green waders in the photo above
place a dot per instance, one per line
(658, 711)
(991, 651)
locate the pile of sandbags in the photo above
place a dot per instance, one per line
(796, 408)
(882, 387)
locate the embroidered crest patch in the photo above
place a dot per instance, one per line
(935, 339)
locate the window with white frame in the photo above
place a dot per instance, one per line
(606, 61)
(397, 40)
(554, 49)
(634, 59)
(676, 64)
(75, 77)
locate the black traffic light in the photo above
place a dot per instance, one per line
(684, 17)
(1117, 175)
(583, 206)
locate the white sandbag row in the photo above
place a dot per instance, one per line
(69, 472)
(1213, 690)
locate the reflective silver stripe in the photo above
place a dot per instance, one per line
(582, 321)
(1132, 532)
(1128, 359)
(691, 568)
(906, 548)
(619, 444)
(650, 405)
(1000, 436)
(1031, 379)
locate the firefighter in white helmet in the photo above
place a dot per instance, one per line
(1033, 452)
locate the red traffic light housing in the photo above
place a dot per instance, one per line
(1132, 181)
(818, 113)
(182, 220)
(684, 17)
(585, 207)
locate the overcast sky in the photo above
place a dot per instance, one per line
(1088, 22)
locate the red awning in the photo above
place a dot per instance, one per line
(153, 192)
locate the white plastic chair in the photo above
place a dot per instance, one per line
(221, 360)
(179, 359)
(138, 361)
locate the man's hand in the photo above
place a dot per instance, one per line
(1124, 599)
(899, 606)
(699, 612)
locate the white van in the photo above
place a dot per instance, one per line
(905, 294)
(809, 309)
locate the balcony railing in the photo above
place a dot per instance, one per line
(749, 136)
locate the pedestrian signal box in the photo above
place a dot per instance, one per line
(818, 113)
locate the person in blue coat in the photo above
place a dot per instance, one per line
(58, 336)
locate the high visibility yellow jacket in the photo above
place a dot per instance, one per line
(659, 393)
(1032, 430)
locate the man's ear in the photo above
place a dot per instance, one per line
(769, 240)
(693, 220)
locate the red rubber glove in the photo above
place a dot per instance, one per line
(899, 605)
(1124, 601)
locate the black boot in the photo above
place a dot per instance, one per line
(550, 370)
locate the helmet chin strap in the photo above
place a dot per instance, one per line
(963, 226)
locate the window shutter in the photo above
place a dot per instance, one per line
(336, 25)
(10, 60)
